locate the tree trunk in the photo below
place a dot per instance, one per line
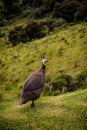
(63, 89)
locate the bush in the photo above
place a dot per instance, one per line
(55, 93)
(15, 35)
(48, 79)
(82, 79)
(2, 34)
(16, 9)
(59, 22)
(33, 30)
(59, 82)
(73, 85)
(62, 82)
(33, 27)
(49, 4)
(39, 12)
(65, 10)
(27, 12)
(81, 12)
(46, 90)
(3, 21)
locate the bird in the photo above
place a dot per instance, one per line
(33, 85)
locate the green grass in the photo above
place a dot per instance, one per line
(66, 50)
(64, 112)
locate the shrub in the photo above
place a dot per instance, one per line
(46, 90)
(55, 93)
(33, 27)
(16, 9)
(48, 79)
(33, 30)
(82, 79)
(2, 35)
(65, 10)
(73, 85)
(39, 12)
(59, 22)
(62, 82)
(27, 12)
(49, 4)
(81, 12)
(15, 35)
(3, 21)
(1, 4)
(49, 21)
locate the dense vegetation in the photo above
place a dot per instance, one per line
(29, 30)
(42, 17)
(70, 10)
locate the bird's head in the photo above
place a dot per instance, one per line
(44, 60)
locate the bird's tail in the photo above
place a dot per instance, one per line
(22, 100)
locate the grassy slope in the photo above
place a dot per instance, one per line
(64, 112)
(66, 50)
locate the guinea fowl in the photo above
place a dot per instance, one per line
(33, 86)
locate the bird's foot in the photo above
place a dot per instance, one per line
(32, 105)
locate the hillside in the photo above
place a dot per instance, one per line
(66, 49)
(66, 112)
(30, 30)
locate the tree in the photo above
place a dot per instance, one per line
(82, 79)
(81, 12)
(65, 10)
(12, 6)
(62, 82)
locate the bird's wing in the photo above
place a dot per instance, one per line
(33, 82)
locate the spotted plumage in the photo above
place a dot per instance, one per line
(33, 86)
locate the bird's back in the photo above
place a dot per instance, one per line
(34, 81)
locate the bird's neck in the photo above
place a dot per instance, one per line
(43, 68)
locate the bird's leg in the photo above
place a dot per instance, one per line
(32, 105)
